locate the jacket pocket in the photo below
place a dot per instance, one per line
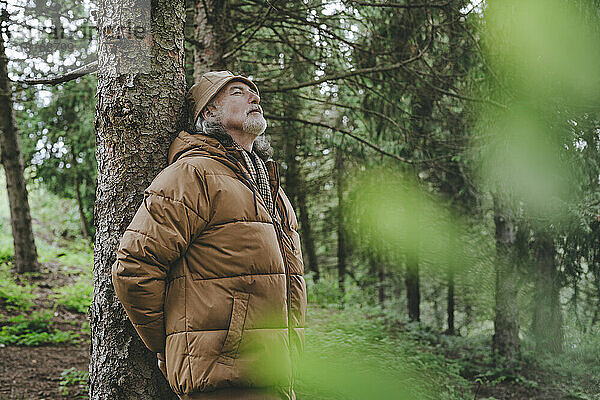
(236, 328)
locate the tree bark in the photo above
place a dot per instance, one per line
(295, 184)
(84, 222)
(341, 231)
(308, 240)
(506, 322)
(413, 292)
(381, 286)
(12, 161)
(451, 286)
(547, 314)
(139, 111)
(208, 49)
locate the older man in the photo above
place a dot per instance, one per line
(210, 270)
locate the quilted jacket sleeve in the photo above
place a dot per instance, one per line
(174, 211)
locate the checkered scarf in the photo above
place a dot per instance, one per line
(259, 176)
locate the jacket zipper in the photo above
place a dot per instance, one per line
(288, 285)
(288, 295)
(280, 235)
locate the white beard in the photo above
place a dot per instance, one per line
(254, 124)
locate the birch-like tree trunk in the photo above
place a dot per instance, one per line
(141, 90)
(12, 161)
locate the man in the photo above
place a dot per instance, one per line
(210, 270)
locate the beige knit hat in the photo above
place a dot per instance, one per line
(201, 93)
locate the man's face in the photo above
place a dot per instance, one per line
(237, 108)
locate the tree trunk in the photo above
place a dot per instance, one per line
(450, 299)
(381, 286)
(295, 184)
(308, 240)
(12, 161)
(208, 35)
(596, 315)
(138, 113)
(341, 232)
(84, 223)
(450, 302)
(506, 323)
(413, 293)
(547, 314)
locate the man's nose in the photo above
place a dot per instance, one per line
(254, 98)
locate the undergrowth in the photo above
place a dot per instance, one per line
(76, 297)
(14, 293)
(33, 330)
(74, 383)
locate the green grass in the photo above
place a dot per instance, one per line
(354, 354)
(15, 295)
(34, 330)
(56, 229)
(74, 380)
(76, 297)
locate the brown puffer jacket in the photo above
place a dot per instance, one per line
(207, 276)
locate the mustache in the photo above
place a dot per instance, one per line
(255, 108)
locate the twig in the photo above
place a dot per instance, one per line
(343, 75)
(353, 136)
(365, 110)
(69, 76)
(397, 5)
(249, 38)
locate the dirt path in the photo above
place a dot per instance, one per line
(34, 372)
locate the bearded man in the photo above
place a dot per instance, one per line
(210, 270)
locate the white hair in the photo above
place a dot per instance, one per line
(214, 128)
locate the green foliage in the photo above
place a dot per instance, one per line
(59, 141)
(576, 369)
(57, 234)
(15, 295)
(374, 360)
(7, 255)
(86, 329)
(325, 292)
(76, 297)
(34, 330)
(55, 228)
(74, 377)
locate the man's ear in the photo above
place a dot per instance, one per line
(208, 111)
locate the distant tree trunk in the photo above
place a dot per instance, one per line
(84, 223)
(341, 230)
(377, 272)
(547, 314)
(450, 302)
(381, 286)
(12, 161)
(138, 113)
(506, 323)
(413, 292)
(596, 272)
(295, 184)
(208, 35)
(308, 240)
(295, 191)
(450, 299)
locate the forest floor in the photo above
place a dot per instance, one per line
(357, 352)
(53, 366)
